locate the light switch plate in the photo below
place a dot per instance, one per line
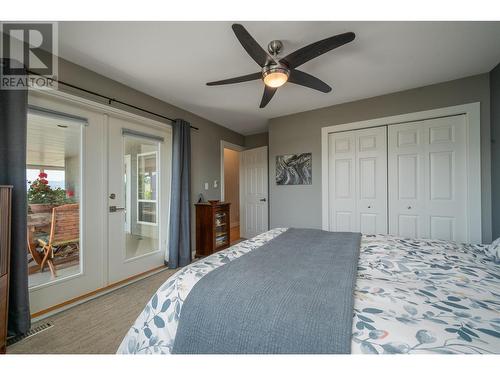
(206, 185)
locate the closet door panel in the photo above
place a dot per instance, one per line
(407, 165)
(441, 167)
(443, 227)
(447, 196)
(342, 154)
(358, 181)
(406, 180)
(367, 178)
(371, 180)
(408, 226)
(368, 223)
(427, 179)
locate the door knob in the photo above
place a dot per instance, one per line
(369, 206)
(409, 207)
(263, 199)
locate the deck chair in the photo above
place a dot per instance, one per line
(64, 231)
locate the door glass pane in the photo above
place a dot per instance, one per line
(53, 188)
(141, 184)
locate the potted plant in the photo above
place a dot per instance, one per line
(42, 198)
(40, 195)
(61, 196)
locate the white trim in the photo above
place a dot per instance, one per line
(155, 201)
(473, 121)
(128, 193)
(231, 146)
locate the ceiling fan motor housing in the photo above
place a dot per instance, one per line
(274, 47)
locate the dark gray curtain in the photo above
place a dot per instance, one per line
(179, 253)
(13, 116)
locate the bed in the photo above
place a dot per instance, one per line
(410, 296)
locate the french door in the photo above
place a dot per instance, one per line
(108, 175)
(138, 197)
(68, 139)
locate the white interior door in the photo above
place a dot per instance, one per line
(254, 192)
(138, 197)
(358, 181)
(428, 179)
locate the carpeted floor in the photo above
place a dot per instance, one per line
(94, 327)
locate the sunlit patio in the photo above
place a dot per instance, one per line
(53, 180)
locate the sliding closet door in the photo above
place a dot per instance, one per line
(358, 181)
(428, 179)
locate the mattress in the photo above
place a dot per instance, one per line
(411, 296)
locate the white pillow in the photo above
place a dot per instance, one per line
(494, 250)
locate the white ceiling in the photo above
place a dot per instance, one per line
(173, 60)
(50, 142)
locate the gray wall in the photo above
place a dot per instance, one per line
(495, 148)
(256, 140)
(300, 205)
(205, 153)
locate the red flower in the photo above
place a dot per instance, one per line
(42, 175)
(44, 181)
(70, 193)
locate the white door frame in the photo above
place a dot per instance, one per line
(128, 193)
(231, 146)
(473, 124)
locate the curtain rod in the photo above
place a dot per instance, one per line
(111, 100)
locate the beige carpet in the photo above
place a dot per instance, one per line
(94, 327)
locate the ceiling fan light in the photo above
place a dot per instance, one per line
(275, 77)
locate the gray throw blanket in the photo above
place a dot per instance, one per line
(291, 295)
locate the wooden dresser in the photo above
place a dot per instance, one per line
(5, 209)
(212, 228)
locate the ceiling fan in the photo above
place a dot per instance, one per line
(276, 73)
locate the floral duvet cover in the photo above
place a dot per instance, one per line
(411, 296)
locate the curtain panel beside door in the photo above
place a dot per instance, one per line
(13, 118)
(179, 254)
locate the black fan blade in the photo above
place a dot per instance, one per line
(268, 95)
(245, 78)
(301, 78)
(253, 48)
(304, 54)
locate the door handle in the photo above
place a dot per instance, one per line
(114, 208)
(263, 199)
